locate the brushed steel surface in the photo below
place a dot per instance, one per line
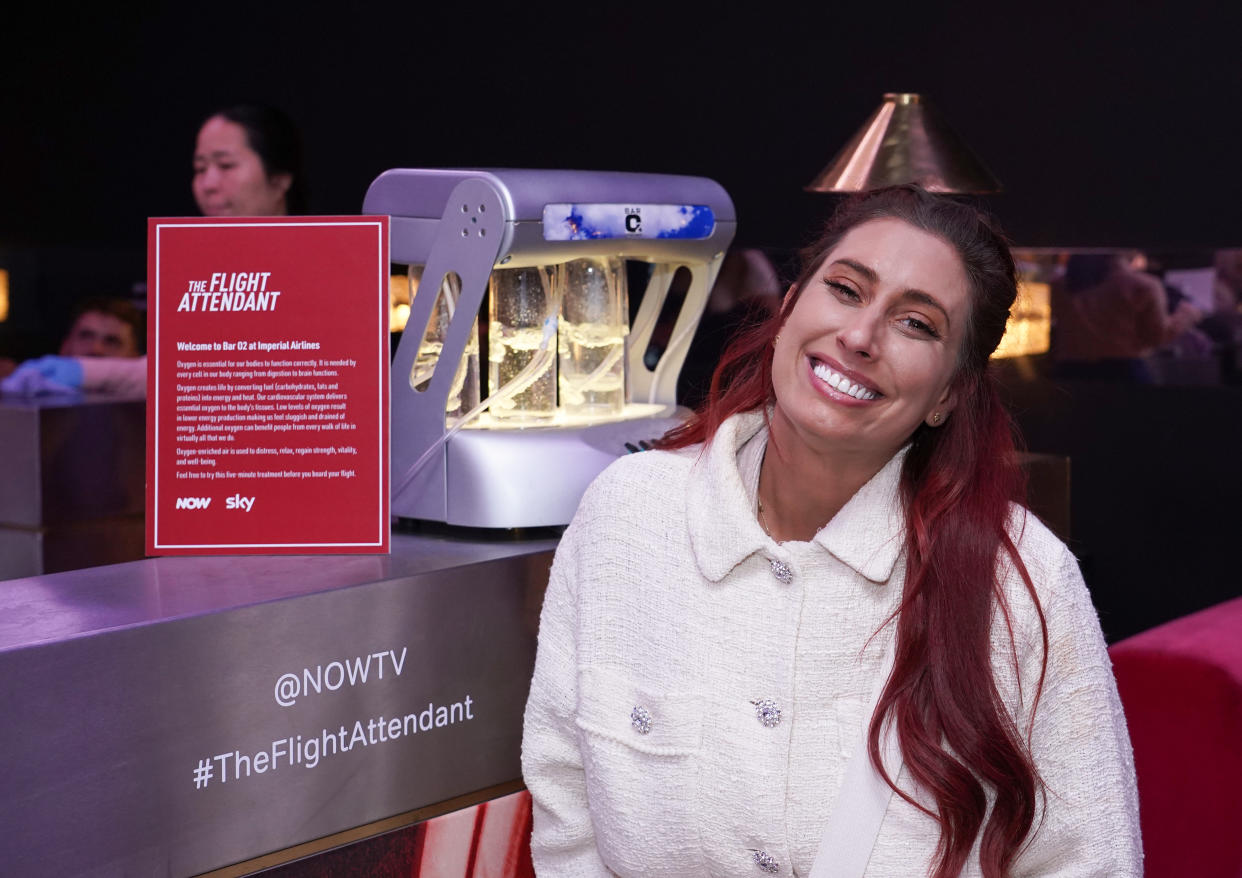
(85, 602)
(123, 682)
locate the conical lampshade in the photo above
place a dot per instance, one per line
(906, 141)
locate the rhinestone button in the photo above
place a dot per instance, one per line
(782, 571)
(640, 719)
(766, 862)
(767, 712)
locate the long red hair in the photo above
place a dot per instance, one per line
(957, 737)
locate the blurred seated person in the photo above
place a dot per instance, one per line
(105, 328)
(1224, 324)
(248, 162)
(104, 350)
(1192, 342)
(1110, 316)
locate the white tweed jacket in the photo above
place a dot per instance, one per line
(699, 688)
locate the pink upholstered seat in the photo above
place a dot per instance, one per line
(1181, 686)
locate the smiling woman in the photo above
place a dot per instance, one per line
(868, 350)
(816, 626)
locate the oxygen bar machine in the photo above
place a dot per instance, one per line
(568, 388)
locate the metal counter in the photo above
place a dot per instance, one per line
(71, 482)
(176, 715)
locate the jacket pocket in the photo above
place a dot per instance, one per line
(640, 751)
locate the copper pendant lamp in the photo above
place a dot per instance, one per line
(906, 141)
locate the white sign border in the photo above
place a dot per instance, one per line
(385, 422)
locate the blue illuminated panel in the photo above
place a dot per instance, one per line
(584, 222)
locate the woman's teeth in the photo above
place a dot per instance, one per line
(842, 384)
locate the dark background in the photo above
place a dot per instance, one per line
(1109, 123)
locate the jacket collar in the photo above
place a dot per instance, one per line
(866, 535)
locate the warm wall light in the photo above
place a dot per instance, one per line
(399, 296)
(4, 295)
(1030, 322)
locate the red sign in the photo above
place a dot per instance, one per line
(267, 385)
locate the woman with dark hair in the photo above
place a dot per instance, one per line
(248, 162)
(814, 634)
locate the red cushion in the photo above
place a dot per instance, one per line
(1181, 686)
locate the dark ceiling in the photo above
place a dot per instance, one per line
(1107, 126)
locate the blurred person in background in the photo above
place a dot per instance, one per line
(247, 162)
(1110, 316)
(1224, 324)
(105, 328)
(104, 350)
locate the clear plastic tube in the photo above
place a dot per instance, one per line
(604, 368)
(519, 382)
(639, 328)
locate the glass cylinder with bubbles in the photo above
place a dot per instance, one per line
(591, 337)
(523, 313)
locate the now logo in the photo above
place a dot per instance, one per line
(193, 502)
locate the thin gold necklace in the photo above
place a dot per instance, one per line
(763, 521)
